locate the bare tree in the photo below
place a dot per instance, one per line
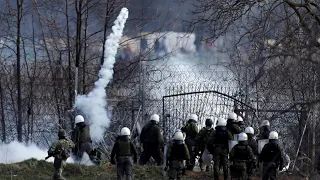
(19, 18)
(274, 49)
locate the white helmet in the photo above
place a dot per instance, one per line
(193, 117)
(242, 137)
(125, 131)
(178, 136)
(221, 122)
(265, 123)
(239, 119)
(249, 130)
(232, 116)
(155, 117)
(78, 119)
(273, 135)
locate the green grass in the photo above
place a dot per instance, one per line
(33, 169)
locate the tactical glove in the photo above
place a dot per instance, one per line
(113, 162)
(135, 160)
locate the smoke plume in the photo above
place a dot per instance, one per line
(94, 104)
(16, 152)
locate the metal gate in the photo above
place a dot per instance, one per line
(177, 105)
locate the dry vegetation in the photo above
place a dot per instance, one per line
(41, 170)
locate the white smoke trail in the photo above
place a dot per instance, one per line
(94, 104)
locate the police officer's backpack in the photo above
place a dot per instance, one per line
(62, 151)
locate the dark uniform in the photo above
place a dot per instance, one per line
(233, 127)
(153, 142)
(177, 153)
(254, 146)
(220, 139)
(242, 126)
(271, 157)
(82, 139)
(122, 151)
(264, 132)
(60, 151)
(240, 155)
(191, 130)
(202, 142)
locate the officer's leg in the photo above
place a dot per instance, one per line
(58, 168)
(192, 156)
(244, 174)
(156, 154)
(145, 156)
(201, 161)
(120, 168)
(180, 169)
(64, 164)
(216, 166)
(81, 151)
(183, 169)
(225, 165)
(265, 173)
(232, 171)
(142, 159)
(128, 168)
(189, 163)
(249, 170)
(273, 173)
(87, 147)
(193, 163)
(172, 173)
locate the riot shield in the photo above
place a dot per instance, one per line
(235, 137)
(206, 157)
(261, 144)
(232, 143)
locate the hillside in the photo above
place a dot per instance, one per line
(41, 170)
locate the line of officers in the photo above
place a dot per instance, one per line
(232, 145)
(188, 143)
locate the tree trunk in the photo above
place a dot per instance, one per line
(3, 122)
(70, 88)
(85, 52)
(19, 17)
(78, 8)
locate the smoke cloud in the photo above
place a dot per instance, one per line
(17, 152)
(94, 104)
